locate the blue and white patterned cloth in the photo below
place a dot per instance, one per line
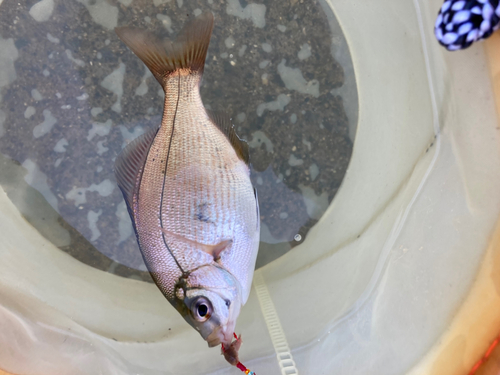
(462, 22)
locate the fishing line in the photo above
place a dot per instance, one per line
(165, 174)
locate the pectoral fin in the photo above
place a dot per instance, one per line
(213, 250)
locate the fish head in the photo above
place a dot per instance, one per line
(212, 303)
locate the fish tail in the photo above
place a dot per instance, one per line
(165, 57)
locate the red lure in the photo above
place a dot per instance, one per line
(231, 355)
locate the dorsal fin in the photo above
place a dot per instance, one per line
(129, 164)
(163, 56)
(223, 122)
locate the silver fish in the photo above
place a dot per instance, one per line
(188, 190)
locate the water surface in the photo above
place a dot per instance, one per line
(72, 96)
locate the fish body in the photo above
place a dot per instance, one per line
(188, 190)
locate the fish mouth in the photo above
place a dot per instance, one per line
(220, 336)
(213, 342)
(223, 334)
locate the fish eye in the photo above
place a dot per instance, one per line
(201, 309)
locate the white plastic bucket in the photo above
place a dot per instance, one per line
(390, 281)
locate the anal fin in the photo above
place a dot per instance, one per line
(257, 208)
(223, 122)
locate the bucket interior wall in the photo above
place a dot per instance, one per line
(375, 285)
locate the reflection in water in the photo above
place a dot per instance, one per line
(72, 96)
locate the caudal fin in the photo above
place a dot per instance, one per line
(164, 57)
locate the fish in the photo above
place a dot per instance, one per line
(188, 191)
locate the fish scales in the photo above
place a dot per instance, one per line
(187, 186)
(203, 172)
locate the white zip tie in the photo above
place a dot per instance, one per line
(278, 338)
